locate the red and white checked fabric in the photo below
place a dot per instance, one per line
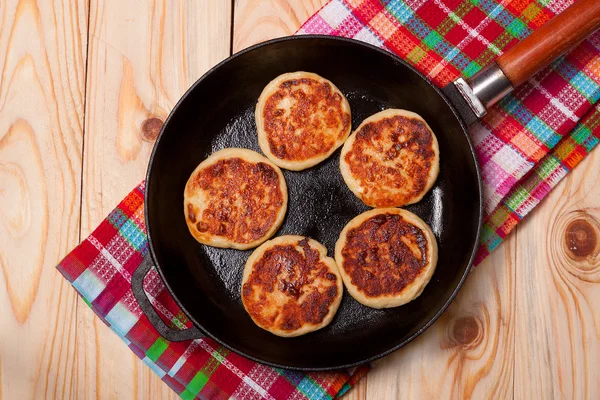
(528, 142)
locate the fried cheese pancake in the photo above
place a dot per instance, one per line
(301, 119)
(386, 257)
(391, 160)
(235, 198)
(290, 287)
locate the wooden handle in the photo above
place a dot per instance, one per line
(549, 42)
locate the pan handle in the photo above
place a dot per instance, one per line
(137, 286)
(521, 62)
(553, 39)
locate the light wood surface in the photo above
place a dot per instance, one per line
(79, 107)
(42, 89)
(557, 319)
(142, 57)
(257, 20)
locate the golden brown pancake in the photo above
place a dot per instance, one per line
(301, 118)
(391, 160)
(290, 287)
(386, 257)
(235, 198)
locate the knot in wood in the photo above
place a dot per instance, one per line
(150, 128)
(465, 330)
(581, 239)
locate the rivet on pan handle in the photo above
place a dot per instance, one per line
(137, 286)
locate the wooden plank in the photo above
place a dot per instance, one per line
(468, 352)
(143, 55)
(558, 320)
(259, 20)
(42, 64)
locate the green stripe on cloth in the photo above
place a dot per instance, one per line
(156, 350)
(195, 386)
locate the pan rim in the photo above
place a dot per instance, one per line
(479, 211)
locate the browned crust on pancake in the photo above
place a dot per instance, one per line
(384, 254)
(307, 283)
(394, 160)
(317, 122)
(244, 199)
(282, 136)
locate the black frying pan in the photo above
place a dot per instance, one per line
(218, 112)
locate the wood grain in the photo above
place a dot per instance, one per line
(259, 20)
(142, 58)
(557, 346)
(468, 352)
(42, 70)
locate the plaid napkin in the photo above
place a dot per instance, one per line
(535, 136)
(525, 146)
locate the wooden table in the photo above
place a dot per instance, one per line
(80, 78)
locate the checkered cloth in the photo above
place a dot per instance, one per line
(525, 146)
(535, 136)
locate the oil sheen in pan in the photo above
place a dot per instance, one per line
(320, 205)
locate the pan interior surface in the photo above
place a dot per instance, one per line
(218, 112)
